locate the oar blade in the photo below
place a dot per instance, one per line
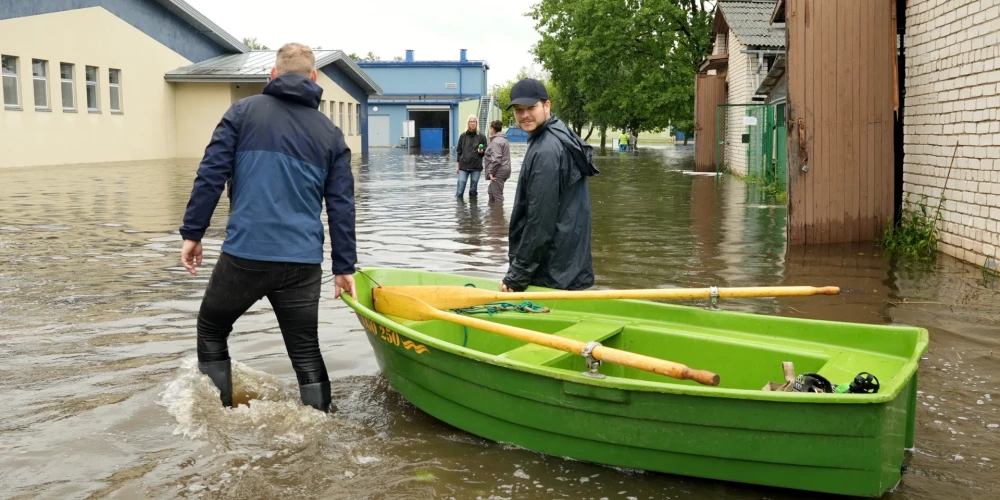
(448, 297)
(404, 306)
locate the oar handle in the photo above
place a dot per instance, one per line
(608, 354)
(655, 365)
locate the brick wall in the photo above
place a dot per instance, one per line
(953, 95)
(738, 78)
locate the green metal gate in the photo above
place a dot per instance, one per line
(757, 132)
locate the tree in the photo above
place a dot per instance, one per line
(625, 64)
(253, 44)
(370, 57)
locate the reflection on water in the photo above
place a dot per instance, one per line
(97, 369)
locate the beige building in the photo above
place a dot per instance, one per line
(952, 97)
(129, 80)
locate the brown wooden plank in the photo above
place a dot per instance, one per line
(864, 103)
(839, 193)
(888, 129)
(814, 111)
(794, 106)
(851, 18)
(797, 109)
(870, 117)
(880, 118)
(828, 72)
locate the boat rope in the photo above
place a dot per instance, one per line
(498, 307)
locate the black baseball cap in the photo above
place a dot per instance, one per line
(527, 92)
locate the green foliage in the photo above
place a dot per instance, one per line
(623, 64)
(370, 57)
(915, 236)
(253, 44)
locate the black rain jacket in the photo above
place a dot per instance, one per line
(550, 223)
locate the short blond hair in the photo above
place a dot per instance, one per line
(295, 58)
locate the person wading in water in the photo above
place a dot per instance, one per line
(550, 224)
(471, 148)
(284, 158)
(497, 161)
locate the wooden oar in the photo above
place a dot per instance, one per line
(457, 297)
(404, 306)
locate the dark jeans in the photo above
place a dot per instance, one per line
(293, 290)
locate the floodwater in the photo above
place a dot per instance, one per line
(100, 394)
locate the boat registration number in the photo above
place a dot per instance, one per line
(390, 336)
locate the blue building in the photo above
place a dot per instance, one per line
(436, 95)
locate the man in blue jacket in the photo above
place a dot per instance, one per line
(284, 157)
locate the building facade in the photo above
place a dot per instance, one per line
(85, 81)
(953, 99)
(745, 45)
(437, 96)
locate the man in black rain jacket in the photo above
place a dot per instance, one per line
(550, 223)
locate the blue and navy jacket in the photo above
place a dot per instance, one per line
(284, 157)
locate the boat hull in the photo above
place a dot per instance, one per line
(851, 449)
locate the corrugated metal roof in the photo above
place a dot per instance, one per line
(181, 9)
(751, 20)
(255, 66)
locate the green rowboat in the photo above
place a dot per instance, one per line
(539, 398)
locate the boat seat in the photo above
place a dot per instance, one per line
(584, 331)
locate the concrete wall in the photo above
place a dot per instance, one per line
(200, 106)
(396, 113)
(952, 96)
(145, 15)
(333, 93)
(144, 130)
(199, 109)
(416, 80)
(738, 78)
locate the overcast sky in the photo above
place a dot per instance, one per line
(497, 32)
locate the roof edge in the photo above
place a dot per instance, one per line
(191, 15)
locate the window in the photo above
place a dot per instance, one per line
(68, 87)
(322, 106)
(115, 86)
(350, 118)
(92, 104)
(357, 118)
(40, 81)
(11, 96)
(340, 122)
(333, 112)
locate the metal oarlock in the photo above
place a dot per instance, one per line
(593, 364)
(713, 300)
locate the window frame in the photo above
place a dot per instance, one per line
(16, 75)
(97, 88)
(45, 84)
(121, 98)
(340, 122)
(72, 86)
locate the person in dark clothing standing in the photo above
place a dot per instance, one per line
(471, 148)
(284, 157)
(497, 161)
(550, 224)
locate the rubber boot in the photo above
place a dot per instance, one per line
(221, 373)
(318, 396)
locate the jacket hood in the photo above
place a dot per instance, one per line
(581, 152)
(296, 88)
